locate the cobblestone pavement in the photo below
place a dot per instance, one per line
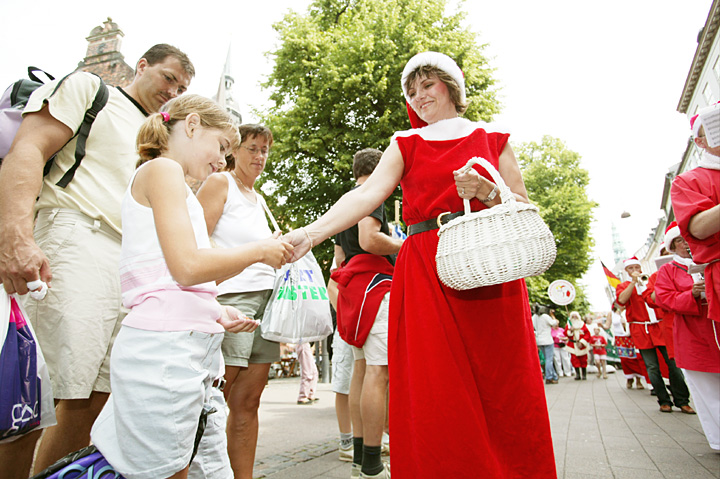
(600, 430)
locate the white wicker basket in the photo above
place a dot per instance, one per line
(506, 242)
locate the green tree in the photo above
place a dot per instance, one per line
(558, 186)
(336, 89)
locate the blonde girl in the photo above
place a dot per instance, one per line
(167, 353)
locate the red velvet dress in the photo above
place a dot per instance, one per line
(466, 396)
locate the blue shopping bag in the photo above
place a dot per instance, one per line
(20, 386)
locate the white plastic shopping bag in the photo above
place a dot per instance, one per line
(299, 311)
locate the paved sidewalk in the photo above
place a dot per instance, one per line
(600, 430)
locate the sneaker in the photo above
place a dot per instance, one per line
(355, 471)
(345, 453)
(384, 474)
(385, 444)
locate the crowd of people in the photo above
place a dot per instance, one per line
(177, 322)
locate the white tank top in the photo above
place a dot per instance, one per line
(156, 301)
(617, 326)
(243, 222)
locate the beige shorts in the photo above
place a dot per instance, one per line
(80, 317)
(374, 351)
(239, 349)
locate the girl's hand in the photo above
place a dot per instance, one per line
(236, 322)
(276, 251)
(472, 185)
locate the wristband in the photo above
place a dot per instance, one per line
(308, 237)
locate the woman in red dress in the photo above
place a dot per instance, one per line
(464, 402)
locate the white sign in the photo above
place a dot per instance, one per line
(561, 292)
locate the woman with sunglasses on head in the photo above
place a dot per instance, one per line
(235, 215)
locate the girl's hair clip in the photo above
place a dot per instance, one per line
(166, 116)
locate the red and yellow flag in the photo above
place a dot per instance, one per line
(612, 279)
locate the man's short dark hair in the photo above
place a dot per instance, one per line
(158, 53)
(365, 161)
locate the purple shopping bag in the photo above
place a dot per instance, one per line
(19, 382)
(87, 463)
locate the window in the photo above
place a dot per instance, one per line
(708, 94)
(716, 67)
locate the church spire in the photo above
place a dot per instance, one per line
(224, 95)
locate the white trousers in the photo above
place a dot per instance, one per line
(705, 390)
(562, 362)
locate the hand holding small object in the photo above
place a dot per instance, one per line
(698, 289)
(38, 289)
(236, 322)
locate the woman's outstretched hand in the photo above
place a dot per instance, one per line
(300, 241)
(236, 322)
(276, 251)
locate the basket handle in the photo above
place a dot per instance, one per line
(505, 194)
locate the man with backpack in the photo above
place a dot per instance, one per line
(77, 235)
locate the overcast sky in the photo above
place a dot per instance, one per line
(605, 77)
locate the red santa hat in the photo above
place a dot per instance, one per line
(631, 261)
(695, 124)
(671, 232)
(438, 60)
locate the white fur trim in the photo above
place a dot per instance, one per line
(670, 235)
(696, 127)
(450, 129)
(439, 60)
(630, 262)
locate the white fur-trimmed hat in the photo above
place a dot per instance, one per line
(631, 261)
(671, 232)
(438, 60)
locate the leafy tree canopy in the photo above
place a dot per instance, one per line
(336, 89)
(557, 185)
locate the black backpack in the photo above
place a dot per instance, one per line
(14, 101)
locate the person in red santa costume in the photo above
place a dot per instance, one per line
(695, 197)
(578, 344)
(452, 413)
(666, 317)
(697, 340)
(648, 338)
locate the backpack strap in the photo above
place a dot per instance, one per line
(33, 77)
(101, 99)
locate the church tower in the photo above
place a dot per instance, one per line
(103, 55)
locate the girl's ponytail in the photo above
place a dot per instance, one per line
(153, 136)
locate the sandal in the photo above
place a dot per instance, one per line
(305, 402)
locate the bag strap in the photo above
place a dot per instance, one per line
(35, 78)
(101, 99)
(267, 211)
